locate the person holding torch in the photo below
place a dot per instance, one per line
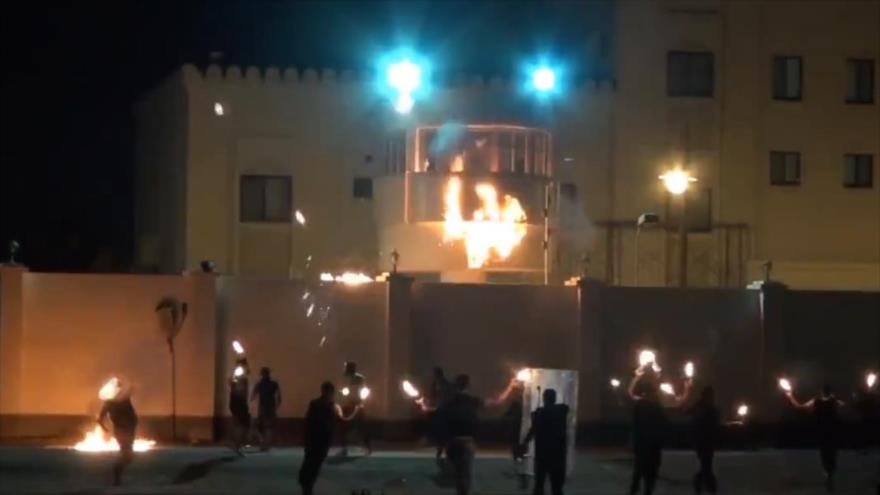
(355, 392)
(649, 421)
(825, 409)
(238, 404)
(118, 407)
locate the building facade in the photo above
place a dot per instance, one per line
(772, 106)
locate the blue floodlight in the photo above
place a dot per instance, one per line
(404, 76)
(544, 79)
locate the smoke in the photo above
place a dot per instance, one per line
(576, 230)
(447, 138)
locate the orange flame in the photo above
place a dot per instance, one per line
(495, 230)
(99, 440)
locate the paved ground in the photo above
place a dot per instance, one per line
(215, 470)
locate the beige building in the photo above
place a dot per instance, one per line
(772, 106)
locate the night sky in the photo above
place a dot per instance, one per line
(74, 69)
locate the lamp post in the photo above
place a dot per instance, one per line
(677, 182)
(646, 219)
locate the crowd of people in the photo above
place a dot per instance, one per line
(453, 418)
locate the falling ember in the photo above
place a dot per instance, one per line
(310, 310)
(496, 228)
(237, 347)
(742, 411)
(871, 379)
(784, 384)
(615, 383)
(109, 390)
(524, 375)
(667, 389)
(364, 393)
(409, 389)
(99, 440)
(689, 369)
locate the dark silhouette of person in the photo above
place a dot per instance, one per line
(267, 392)
(353, 404)
(826, 411)
(867, 405)
(550, 431)
(122, 415)
(437, 394)
(513, 416)
(706, 429)
(649, 429)
(238, 405)
(321, 418)
(461, 413)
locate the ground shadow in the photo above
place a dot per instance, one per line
(198, 470)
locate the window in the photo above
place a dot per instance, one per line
(859, 81)
(362, 188)
(787, 78)
(690, 74)
(858, 170)
(785, 168)
(265, 198)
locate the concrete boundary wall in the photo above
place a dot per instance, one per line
(61, 335)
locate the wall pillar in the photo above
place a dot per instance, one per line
(771, 352)
(591, 381)
(203, 325)
(11, 333)
(399, 328)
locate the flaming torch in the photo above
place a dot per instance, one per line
(524, 375)
(109, 390)
(667, 388)
(615, 383)
(410, 390)
(237, 347)
(648, 357)
(364, 393)
(871, 379)
(785, 385)
(689, 369)
(98, 440)
(238, 372)
(345, 391)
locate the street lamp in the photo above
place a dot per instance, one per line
(405, 78)
(544, 79)
(647, 219)
(677, 182)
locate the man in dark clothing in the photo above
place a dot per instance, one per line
(320, 422)
(121, 412)
(649, 428)
(550, 430)
(706, 427)
(238, 405)
(268, 394)
(354, 385)
(439, 393)
(461, 413)
(825, 409)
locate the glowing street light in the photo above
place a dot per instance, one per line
(544, 79)
(404, 77)
(677, 181)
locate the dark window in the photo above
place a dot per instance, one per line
(787, 78)
(362, 187)
(265, 198)
(858, 170)
(859, 81)
(568, 191)
(690, 74)
(785, 168)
